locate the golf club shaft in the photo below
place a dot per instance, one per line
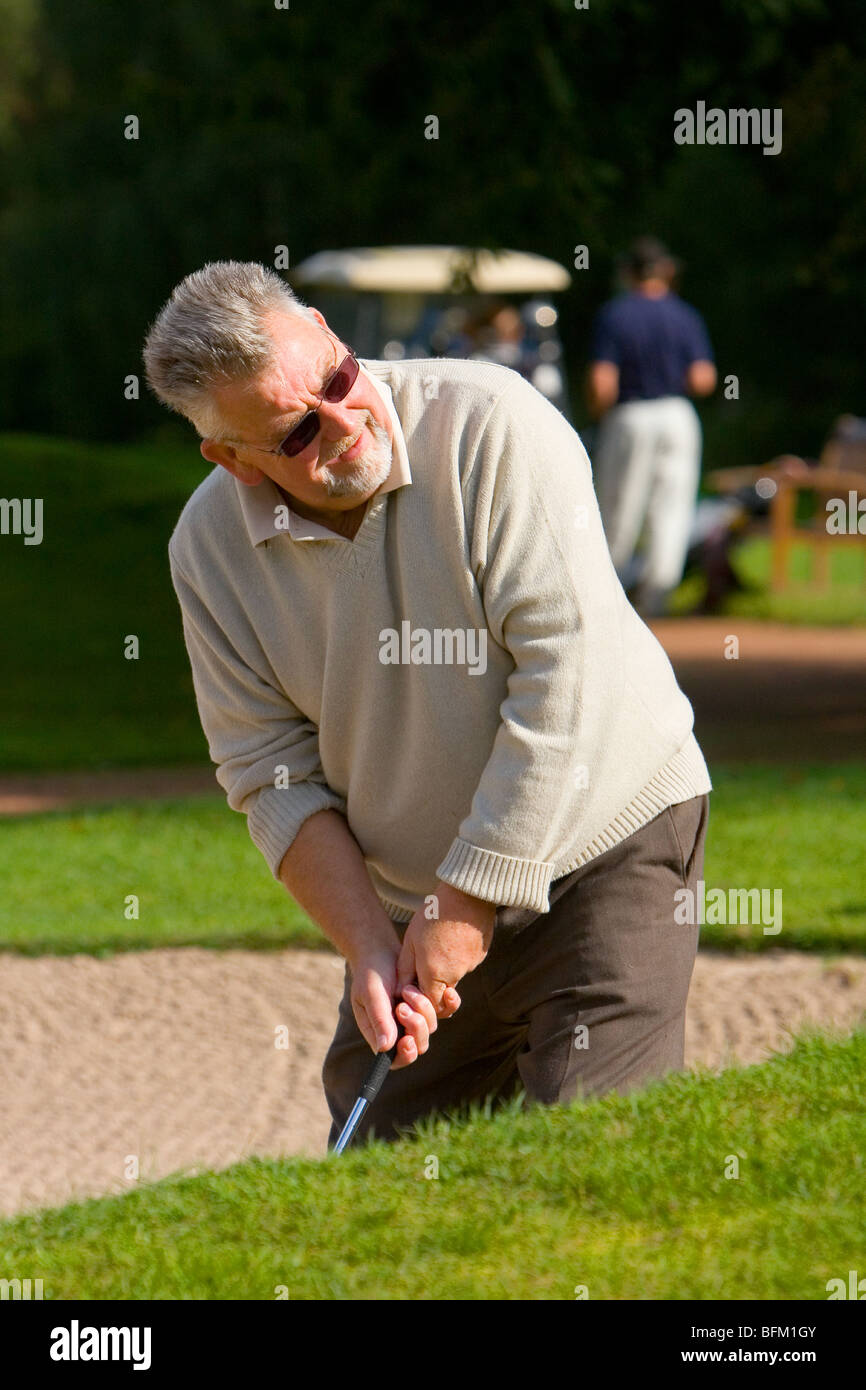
(369, 1091)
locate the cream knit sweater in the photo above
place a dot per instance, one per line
(465, 681)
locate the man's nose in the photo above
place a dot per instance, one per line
(337, 420)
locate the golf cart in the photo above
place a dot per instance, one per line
(393, 302)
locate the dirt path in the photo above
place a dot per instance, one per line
(791, 693)
(24, 794)
(170, 1057)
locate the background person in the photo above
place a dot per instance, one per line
(650, 351)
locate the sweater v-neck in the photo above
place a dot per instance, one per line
(355, 555)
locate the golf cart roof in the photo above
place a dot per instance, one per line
(431, 270)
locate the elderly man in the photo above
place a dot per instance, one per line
(456, 744)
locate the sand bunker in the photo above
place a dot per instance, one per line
(167, 1060)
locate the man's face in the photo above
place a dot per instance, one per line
(349, 458)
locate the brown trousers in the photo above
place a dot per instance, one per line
(586, 998)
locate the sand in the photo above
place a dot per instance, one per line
(156, 1062)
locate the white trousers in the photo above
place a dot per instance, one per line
(646, 462)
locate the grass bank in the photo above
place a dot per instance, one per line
(743, 1186)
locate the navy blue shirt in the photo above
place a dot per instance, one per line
(652, 341)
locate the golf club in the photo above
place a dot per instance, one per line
(369, 1091)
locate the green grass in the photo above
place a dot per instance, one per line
(844, 604)
(798, 828)
(200, 881)
(70, 698)
(626, 1196)
(65, 876)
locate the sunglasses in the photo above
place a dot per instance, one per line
(304, 432)
(338, 387)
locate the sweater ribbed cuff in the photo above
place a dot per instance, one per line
(496, 878)
(279, 813)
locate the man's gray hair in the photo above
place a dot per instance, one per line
(211, 332)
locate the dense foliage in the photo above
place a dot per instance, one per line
(304, 126)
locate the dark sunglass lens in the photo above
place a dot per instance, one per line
(303, 434)
(343, 380)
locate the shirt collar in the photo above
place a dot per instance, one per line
(264, 507)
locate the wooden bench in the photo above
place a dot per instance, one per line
(840, 473)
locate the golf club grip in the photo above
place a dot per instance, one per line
(379, 1070)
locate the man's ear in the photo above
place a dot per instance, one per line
(226, 457)
(320, 318)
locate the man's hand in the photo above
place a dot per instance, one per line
(374, 989)
(602, 387)
(325, 872)
(437, 953)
